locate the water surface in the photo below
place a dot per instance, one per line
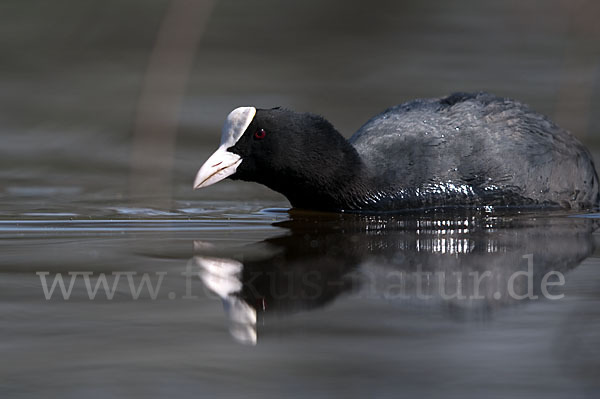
(256, 301)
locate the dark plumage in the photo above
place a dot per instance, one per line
(461, 150)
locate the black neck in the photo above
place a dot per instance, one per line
(332, 184)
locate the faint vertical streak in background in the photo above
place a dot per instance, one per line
(161, 95)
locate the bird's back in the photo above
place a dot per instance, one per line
(476, 149)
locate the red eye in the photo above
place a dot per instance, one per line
(260, 134)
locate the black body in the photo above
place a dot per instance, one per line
(462, 150)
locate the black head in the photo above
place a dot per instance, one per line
(300, 155)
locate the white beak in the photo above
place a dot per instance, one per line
(216, 168)
(224, 163)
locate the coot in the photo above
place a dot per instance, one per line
(467, 149)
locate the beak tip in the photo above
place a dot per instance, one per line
(197, 184)
(213, 170)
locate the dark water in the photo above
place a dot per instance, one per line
(223, 292)
(255, 302)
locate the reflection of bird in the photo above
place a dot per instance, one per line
(433, 259)
(465, 149)
(222, 276)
